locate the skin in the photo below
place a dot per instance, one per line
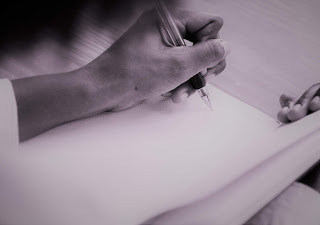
(140, 65)
(294, 109)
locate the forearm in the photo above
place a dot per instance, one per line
(137, 66)
(50, 100)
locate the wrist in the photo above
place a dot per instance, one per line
(90, 95)
(107, 85)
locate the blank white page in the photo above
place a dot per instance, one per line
(294, 148)
(127, 167)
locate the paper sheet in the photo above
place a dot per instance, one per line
(126, 167)
(237, 202)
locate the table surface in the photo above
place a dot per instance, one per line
(275, 47)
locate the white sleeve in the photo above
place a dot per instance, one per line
(9, 137)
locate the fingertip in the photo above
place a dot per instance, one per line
(181, 93)
(204, 72)
(297, 107)
(284, 99)
(175, 98)
(225, 45)
(179, 98)
(219, 68)
(282, 115)
(315, 104)
(184, 96)
(297, 112)
(219, 21)
(283, 119)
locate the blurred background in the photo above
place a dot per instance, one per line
(275, 46)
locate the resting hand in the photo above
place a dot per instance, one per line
(294, 109)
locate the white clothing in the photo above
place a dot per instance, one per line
(8, 117)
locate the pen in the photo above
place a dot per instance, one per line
(198, 82)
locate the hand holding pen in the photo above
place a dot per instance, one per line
(149, 63)
(198, 81)
(141, 64)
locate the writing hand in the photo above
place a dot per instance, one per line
(143, 62)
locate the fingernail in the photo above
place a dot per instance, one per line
(297, 107)
(225, 45)
(184, 96)
(204, 72)
(316, 99)
(286, 108)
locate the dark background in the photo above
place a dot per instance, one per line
(25, 19)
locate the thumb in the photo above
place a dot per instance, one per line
(207, 54)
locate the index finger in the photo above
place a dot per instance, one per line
(308, 95)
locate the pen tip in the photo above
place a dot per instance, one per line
(204, 94)
(206, 99)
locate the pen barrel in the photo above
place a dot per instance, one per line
(198, 81)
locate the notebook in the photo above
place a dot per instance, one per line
(127, 167)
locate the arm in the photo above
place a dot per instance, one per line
(50, 100)
(141, 64)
